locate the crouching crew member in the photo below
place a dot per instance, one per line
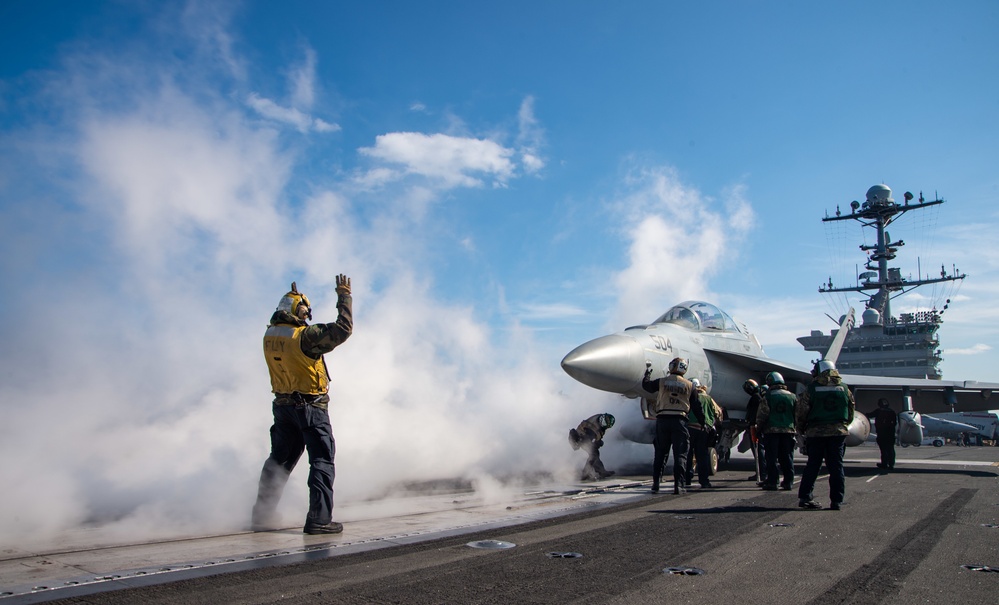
(589, 436)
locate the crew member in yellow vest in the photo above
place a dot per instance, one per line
(300, 382)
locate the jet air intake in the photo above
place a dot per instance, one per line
(613, 363)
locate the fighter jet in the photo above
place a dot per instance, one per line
(986, 424)
(914, 427)
(723, 354)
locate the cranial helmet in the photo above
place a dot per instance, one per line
(293, 301)
(774, 378)
(882, 403)
(824, 366)
(750, 386)
(678, 366)
(696, 383)
(606, 421)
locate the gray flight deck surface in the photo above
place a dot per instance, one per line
(902, 537)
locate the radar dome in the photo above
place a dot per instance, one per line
(879, 194)
(872, 317)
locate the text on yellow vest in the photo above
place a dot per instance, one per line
(292, 371)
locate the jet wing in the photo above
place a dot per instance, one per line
(738, 367)
(928, 395)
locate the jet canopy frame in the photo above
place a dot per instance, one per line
(700, 316)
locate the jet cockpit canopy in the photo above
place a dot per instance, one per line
(701, 316)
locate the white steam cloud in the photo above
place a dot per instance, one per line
(152, 246)
(677, 241)
(151, 226)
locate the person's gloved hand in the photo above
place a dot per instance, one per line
(342, 285)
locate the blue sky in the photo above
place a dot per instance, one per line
(501, 182)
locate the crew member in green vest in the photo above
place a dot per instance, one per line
(775, 421)
(825, 411)
(704, 414)
(300, 382)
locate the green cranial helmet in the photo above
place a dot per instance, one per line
(606, 421)
(774, 378)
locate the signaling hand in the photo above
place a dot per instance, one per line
(648, 368)
(342, 285)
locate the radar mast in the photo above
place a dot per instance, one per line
(904, 346)
(879, 211)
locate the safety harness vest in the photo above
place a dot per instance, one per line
(830, 404)
(781, 403)
(674, 396)
(292, 371)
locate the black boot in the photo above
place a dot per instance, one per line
(330, 528)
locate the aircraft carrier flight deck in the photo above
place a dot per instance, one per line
(927, 532)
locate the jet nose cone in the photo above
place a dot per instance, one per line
(612, 363)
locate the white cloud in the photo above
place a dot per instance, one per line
(302, 85)
(303, 82)
(530, 137)
(676, 241)
(207, 23)
(977, 349)
(300, 120)
(324, 126)
(448, 160)
(536, 312)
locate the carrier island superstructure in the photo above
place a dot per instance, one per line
(883, 344)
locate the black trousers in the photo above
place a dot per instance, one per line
(698, 450)
(295, 430)
(829, 450)
(671, 432)
(594, 467)
(887, 447)
(780, 451)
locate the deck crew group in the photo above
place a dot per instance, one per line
(688, 421)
